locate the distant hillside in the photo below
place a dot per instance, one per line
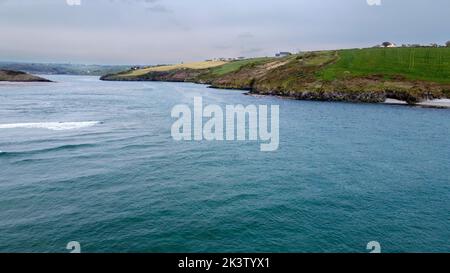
(359, 75)
(17, 76)
(64, 69)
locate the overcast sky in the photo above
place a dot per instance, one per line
(170, 31)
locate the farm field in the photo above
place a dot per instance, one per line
(195, 65)
(427, 64)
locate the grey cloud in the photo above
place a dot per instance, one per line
(245, 35)
(162, 31)
(222, 47)
(251, 50)
(159, 9)
(151, 5)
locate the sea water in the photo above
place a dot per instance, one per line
(94, 162)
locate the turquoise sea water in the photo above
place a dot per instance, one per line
(345, 174)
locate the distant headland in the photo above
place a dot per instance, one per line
(18, 76)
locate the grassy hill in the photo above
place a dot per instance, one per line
(360, 75)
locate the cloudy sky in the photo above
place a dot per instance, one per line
(170, 31)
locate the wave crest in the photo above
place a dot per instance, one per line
(55, 126)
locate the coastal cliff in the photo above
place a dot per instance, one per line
(18, 76)
(359, 75)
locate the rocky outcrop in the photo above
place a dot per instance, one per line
(362, 96)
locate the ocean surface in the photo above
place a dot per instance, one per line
(94, 162)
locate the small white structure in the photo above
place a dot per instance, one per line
(283, 54)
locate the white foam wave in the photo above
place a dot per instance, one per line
(55, 126)
(437, 102)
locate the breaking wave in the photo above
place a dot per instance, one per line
(55, 126)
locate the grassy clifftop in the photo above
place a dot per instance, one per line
(362, 75)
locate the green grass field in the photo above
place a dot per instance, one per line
(428, 64)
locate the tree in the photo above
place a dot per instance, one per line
(386, 44)
(447, 43)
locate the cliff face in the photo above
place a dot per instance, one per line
(301, 77)
(17, 76)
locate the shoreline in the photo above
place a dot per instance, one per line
(433, 104)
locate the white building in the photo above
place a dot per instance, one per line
(283, 54)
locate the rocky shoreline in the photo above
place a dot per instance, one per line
(354, 96)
